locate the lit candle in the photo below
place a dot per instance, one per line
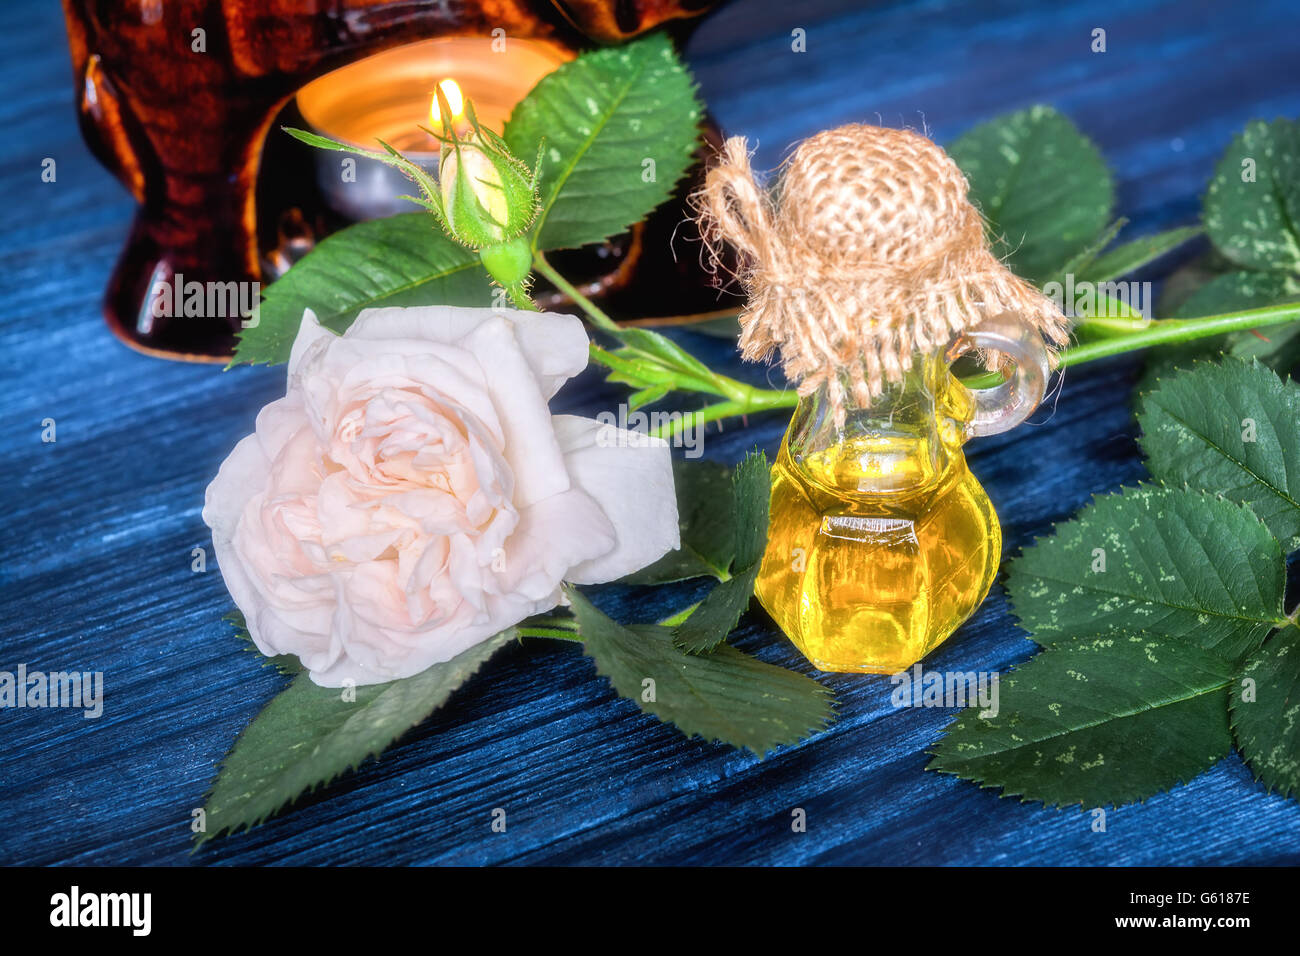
(391, 95)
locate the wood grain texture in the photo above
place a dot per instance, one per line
(96, 529)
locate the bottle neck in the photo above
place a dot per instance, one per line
(905, 441)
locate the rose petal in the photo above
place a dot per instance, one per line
(555, 345)
(243, 473)
(245, 470)
(530, 447)
(554, 536)
(630, 475)
(310, 332)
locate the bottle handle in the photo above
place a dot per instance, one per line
(1006, 405)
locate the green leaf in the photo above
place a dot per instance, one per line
(1233, 429)
(1189, 277)
(432, 198)
(308, 735)
(717, 615)
(751, 489)
(1177, 563)
(1252, 207)
(707, 526)
(662, 351)
(1267, 728)
(1042, 186)
(596, 121)
(649, 361)
(647, 396)
(1277, 346)
(1094, 304)
(1089, 254)
(286, 664)
(726, 696)
(1239, 291)
(401, 260)
(1132, 256)
(1097, 721)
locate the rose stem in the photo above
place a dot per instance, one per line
(744, 399)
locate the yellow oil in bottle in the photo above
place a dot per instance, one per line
(881, 541)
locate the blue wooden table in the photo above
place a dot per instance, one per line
(98, 527)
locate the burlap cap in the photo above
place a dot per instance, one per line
(867, 253)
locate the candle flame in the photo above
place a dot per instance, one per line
(450, 89)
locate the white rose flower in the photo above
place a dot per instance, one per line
(412, 495)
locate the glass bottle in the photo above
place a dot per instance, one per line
(881, 541)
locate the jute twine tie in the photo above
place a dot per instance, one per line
(868, 253)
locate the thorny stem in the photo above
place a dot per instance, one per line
(1172, 331)
(566, 628)
(761, 400)
(554, 634)
(519, 296)
(1126, 335)
(594, 312)
(555, 628)
(563, 623)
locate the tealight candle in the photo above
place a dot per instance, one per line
(389, 96)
